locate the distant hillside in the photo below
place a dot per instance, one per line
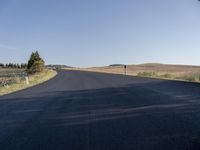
(58, 66)
(116, 65)
(150, 64)
(156, 70)
(161, 69)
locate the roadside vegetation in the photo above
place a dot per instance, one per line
(191, 77)
(155, 70)
(147, 74)
(15, 77)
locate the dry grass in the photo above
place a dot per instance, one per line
(172, 72)
(11, 76)
(33, 80)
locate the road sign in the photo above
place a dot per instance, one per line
(125, 69)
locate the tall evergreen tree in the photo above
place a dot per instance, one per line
(35, 63)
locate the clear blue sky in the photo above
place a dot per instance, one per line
(101, 32)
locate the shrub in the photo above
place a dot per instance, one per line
(167, 75)
(147, 74)
(191, 77)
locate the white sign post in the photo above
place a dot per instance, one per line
(27, 80)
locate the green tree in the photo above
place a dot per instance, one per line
(18, 66)
(24, 66)
(1, 65)
(35, 63)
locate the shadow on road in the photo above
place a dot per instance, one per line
(164, 117)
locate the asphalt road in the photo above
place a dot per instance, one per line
(92, 111)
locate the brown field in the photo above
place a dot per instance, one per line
(176, 72)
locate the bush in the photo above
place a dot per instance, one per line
(167, 75)
(38, 66)
(195, 77)
(147, 74)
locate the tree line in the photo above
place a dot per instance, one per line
(14, 65)
(35, 64)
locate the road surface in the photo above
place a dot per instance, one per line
(93, 111)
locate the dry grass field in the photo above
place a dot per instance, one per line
(10, 76)
(174, 72)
